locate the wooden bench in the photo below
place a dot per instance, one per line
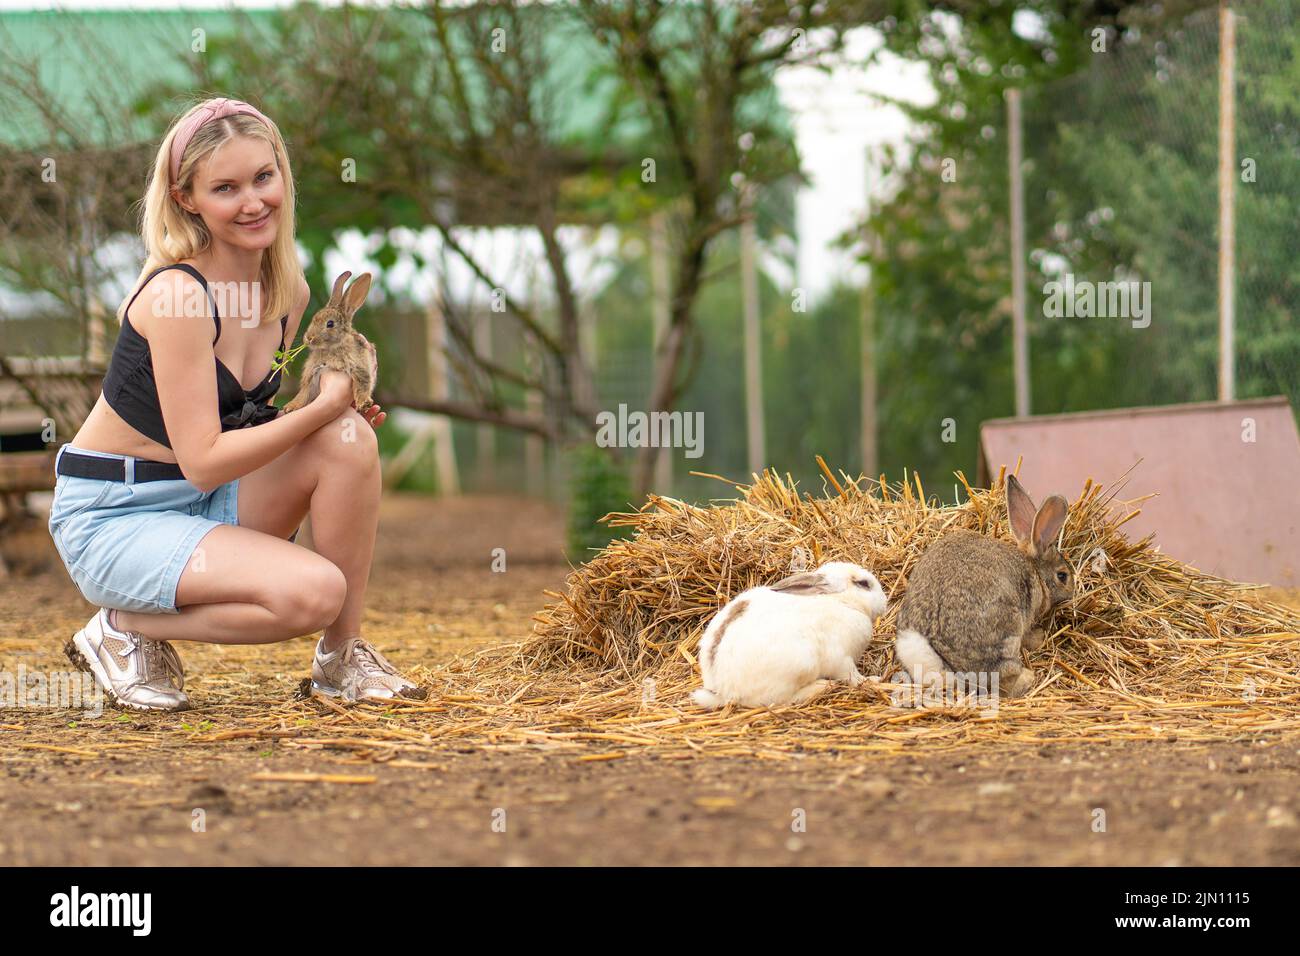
(43, 401)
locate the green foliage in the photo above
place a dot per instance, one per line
(599, 485)
(814, 392)
(1120, 159)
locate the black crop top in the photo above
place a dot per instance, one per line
(131, 390)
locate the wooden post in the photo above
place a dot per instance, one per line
(444, 448)
(867, 350)
(867, 361)
(534, 449)
(660, 291)
(485, 436)
(1020, 342)
(96, 340)
(435, 432)
(752, 332)
(588, 345)
(1227, 200)
(97, 353)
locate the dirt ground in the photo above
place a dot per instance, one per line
(156, 789)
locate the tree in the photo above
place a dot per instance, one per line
(693, 68)
(1120, 185)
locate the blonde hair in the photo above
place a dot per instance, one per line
(172, 233)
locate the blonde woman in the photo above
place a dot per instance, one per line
(177, 503)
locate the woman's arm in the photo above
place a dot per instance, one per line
(185, 369)
(235, 453)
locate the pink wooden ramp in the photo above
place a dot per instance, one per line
(1226, 475)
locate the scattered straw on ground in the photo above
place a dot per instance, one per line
(1149, 649)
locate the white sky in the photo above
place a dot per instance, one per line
(836, 123)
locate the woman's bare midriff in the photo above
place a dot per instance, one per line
(104, 430)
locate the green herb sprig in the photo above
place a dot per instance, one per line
(283, 358)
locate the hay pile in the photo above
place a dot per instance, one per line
(1149, 647)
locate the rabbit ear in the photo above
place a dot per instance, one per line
(356, 294)
(1020, 513)
(1048, 522)
(805, 582)
(335, 295)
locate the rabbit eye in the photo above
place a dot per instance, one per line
(863, 584)
(329, 324)
(1063, 576)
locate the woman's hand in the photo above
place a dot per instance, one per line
(335, 390)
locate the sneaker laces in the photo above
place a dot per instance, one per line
(370, 660)
(158, 658)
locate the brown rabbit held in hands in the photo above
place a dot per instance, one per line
(332, 342)
(973, 602)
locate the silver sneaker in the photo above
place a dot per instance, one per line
(135, 672)
(356, 671)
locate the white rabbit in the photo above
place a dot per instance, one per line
(784, 644)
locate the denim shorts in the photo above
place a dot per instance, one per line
(125, 543)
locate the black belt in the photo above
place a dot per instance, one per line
(114, 469)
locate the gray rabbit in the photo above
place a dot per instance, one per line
(973, 601)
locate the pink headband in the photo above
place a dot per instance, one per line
(213, 109)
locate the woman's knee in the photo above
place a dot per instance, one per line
(347, 439)
(313, 596)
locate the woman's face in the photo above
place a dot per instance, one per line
(238, 190)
